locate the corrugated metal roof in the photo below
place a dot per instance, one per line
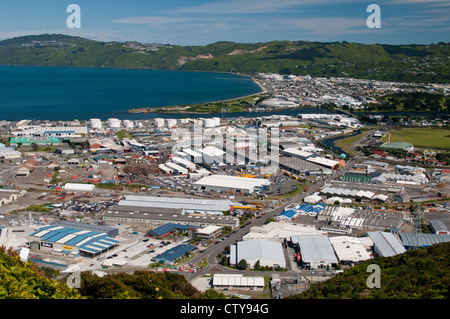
(174, 253)
(409, 239)
(315, 247)
(238, 280)
(262, 250)
(172, 202)
(386, 243)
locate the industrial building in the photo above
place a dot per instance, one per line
(28, 140)
(79, 187)
(386, 244)
(352, 250)
(268, 253)
(209, 232)
(315, 251)
(7, 196)
(223, 183)
(74, 239)
(168, 229)
(359, 218)
(163, 215)
(310, 157)
(189, 205)
(411, 240)
(9, 153)
(171, 255)
(46, 131)
(398, 146)
(281, 231)
(438, 227)
(27, 167)
(235, 282)
(294, 209)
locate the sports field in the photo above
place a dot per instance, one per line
(423, 138)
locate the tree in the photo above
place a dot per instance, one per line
(24, 280)
(34, 146)
(242, 265)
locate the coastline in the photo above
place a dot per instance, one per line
(179, 108)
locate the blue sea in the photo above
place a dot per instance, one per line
(66, 93)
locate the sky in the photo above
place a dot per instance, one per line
(201, 22)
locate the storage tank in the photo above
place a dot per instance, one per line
(159, 122)
(171, 122)
(216, 120)
(114, 123)
(96, 123)
(209, 123)
(128, 124)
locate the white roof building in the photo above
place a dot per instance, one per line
(79, 187)
(9, 153)
(189, 205)
(231, 183)
(269, 253)
(279, 231)
(316, 251)
(221, 281)
(351, 249)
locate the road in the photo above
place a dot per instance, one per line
(213, 250)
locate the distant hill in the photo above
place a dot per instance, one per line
(408, 63)
(417, 274)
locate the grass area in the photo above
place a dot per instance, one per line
(423, 138)
(232, 105)
(347, 142)
(300, 188)
(124, 134)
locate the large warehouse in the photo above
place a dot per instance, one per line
(189, 205)
(223, 183)
(74, 239)
(268, 253)
(352, 250)
(163, 215)
(386, 244)
(316, 251)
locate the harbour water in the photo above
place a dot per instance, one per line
(64, 93)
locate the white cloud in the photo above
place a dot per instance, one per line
(246, 6)
(156, 20)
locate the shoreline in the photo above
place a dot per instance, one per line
(176, 109)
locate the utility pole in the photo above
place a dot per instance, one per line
(418, 222)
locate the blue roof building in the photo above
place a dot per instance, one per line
(169, 256)
(71, 240)
(287, 214)
(168, 228)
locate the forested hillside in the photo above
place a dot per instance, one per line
(416, 274)
(19, 280)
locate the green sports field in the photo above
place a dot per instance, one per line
(423, 138)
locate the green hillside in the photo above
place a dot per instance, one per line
(409, 63)
(417, 274)
(19, 280)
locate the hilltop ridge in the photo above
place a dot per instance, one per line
(404, 63)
